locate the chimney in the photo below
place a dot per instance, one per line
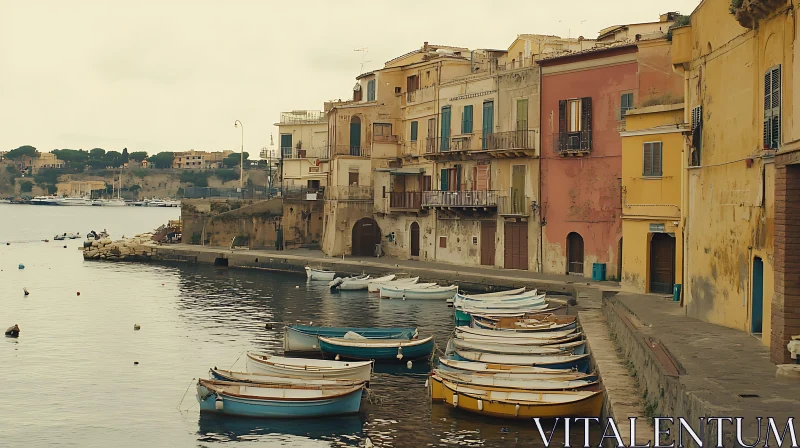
(425, 47)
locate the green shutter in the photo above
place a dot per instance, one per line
(414, 131)
(488, 123)
(445, 146)
(286, 146)
(466, 120)
(444, 179)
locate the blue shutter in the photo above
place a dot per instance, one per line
(371, 90)
(466, 120)
(445, 146)
(488, 122)
(444, 179)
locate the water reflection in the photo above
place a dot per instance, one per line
(222, 428)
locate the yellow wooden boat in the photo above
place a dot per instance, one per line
(505, 403)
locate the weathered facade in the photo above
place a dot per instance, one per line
(303, 153)
(652, 155)
(738, 66)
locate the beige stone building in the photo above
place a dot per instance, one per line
(304, 150)
(79, 188)
(44, 160)
(199, 160)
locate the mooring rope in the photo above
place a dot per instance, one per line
(184, 394)
(237, 360)
(372, 398)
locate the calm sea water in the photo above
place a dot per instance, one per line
(70, 379)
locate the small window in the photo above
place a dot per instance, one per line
(414, 130)
(382, 129)
(626, 104)
(652, 159)
(398, 90)
(352, 179)
(466, 120)
(371, 90)
(574, 115)
(443, 241)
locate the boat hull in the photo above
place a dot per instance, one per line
(408, 350)
(318, 275)
(315, 370)
(270, 408)
(304, 338)
(576, 362)
(513, 383)
(575, 348)
(432, 293)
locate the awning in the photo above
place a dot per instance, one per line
(401, 171)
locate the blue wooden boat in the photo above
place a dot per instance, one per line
(303, 338)
(259, 400)
(377, 349)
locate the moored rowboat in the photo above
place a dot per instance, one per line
(303, 338)
(432, 293)
(319, 274)
(579, 362)
(576, 347)
(308, 368)
(482, 367)
(378, 349)
(357, 284)
(510, 292)
(512, 334)
(375, 286)
(516, 382)
(260, 378)
(258, 400)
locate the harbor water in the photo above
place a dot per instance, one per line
(71, 378)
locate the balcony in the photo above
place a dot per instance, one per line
(347, 150)
(303, 117)
(419, 96)
(573, 143)
(748, 12)
(522, 143)
(461, 143)
(302, 193)
(384, 139)
(459, 199)
(431, 145)
(405, 200)
(355, 193)
(305, 153)
(514, 205)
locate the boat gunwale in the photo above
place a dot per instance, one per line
(338, 342)
(359, 364)
(346, 391)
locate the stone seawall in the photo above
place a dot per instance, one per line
(139, 248)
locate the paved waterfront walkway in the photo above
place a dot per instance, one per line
(727, 371)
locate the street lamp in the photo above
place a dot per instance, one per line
(238, 124)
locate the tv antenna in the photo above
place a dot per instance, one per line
(364, 52)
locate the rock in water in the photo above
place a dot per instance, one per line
(26, 291)
(13, 332)
(21, 266)
(136, 326)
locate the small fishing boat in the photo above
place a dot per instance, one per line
(549, 323)
(377, 349)
(497, 294)
(308, 368)
(510, 304)
(579, 362)
(483, 367)
(515, 382)
(260, 378)
(375, 286)
(475, 338)
(259, 400)
(303, 338)
(463, 315)
(512, 334)
(431, 293)
(576, 347)
(519, 404)
(319, 274)
(558, 310)
(356, 284)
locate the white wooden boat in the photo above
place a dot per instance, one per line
(431, 293)
(511, 292)
(476, 338)
(483, 367)
(377, 349)
(513, 382)
(550, 361)
(505, 312)
(356, 284)
(511, 334)
(309, 368)
(261, 378)
(577, 347)
(461, 298)
(500, 305)
(304, 338)
(375, 286)
(319, 274)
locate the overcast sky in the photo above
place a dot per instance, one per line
(171, 75)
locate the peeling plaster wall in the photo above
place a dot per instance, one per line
(400, 224)
(459, 247)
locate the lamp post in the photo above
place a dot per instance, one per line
(238, 124)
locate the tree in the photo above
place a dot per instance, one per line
(162, 159)
(180, 192)
(114, 158)
(26, 186)
(97, 153)
(226, 175)
(22, 151)
(137, 156)
(51, 189)
(47, 176)
(134, 188)
(234, 159)
(124, 158)
(72, 155)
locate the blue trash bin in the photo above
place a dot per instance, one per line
(676, 293)
(599, 272)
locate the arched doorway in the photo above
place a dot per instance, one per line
(414, 239)
(662, 263)
(366, 235)
(355, 136)
(574, 253)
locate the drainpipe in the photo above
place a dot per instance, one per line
(541, 162)
(685, 193)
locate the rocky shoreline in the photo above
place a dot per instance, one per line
(140, 247)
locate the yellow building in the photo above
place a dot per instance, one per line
(199, 160)
(43, 160)
(79, 188)
(652, 148)
(738, 68)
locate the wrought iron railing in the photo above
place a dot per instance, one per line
(349, 193)
(405, 200)
(303, 193)
(524, 139)
(320, 152)
(466, 198)
(514, 205)
(463, 143)
(431, 145)
(580, 141)
(348, 150)
(303, 117)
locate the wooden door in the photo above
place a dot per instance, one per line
(414, 239)
(574, 253)
(488, 248)
(365, 236)
(662, 263)
(355, 136)
(516, 245)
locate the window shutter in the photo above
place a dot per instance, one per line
(414, 130)
(768, 109)
(656, 154)
(458, 178)
(466, 120)
(443, 179)
(562, 125)
(647, 158)
(586, 123)
(776, 107)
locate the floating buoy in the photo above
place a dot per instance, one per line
(136, 326)
(268, 326)
(13, 332)
(162, 284)
(480, 405)
(8, 244)
(337, 357)
(296, 287)
(516, 411)
(218, 403)
(46, 241)
(65, 246)
(455, 400)
(408, 364)
(314, 346)
(136, 363)
(79, 293)
(21, 266)
(399, 352)
(26, 291)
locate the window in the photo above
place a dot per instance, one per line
(371, 90)
(414, 131)
(574, 112)
(450, 178)
(575, 124)
(445, 145)
(398, 90)
(382, 129)
(626, 104)
(426, 183)
(430, 143)
(772, 108)
(652, 159)
(412, 83)
(487, 126)
(443, 241)
(481, 177)
(466, 120)
(286, 146)
(522, 114)
(352, 179)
